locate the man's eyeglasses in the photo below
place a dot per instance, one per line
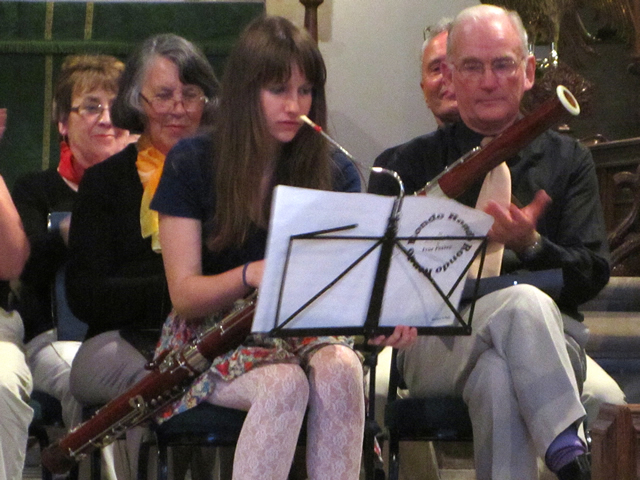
(501, 68)
(90, 109)
(166, 102)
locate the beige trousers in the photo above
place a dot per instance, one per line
(15, 388)
(513, 371)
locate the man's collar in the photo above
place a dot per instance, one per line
(465, 137)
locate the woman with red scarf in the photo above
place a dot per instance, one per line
(84, 93)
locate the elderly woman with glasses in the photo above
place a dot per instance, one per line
(84, 92)
(115, 276)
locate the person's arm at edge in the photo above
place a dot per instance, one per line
(14, 244)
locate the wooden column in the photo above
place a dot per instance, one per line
(614, 442)
(635, 17)
(311, 16)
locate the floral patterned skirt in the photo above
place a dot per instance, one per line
(256, 350)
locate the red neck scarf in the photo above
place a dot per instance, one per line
(68, 168)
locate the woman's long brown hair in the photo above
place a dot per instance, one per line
(264, 54)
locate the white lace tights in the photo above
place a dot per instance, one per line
(276, 398)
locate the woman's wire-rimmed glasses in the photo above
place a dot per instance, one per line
(90, 109)
(165, 103)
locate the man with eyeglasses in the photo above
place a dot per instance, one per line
(521, 370)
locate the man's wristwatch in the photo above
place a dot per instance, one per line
(532, 250)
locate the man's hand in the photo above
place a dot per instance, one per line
(516, 227)
(402, 337)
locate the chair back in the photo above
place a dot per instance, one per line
(69, 327)
(436, 418)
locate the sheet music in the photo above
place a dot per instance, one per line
(445, 259)
(298, 268)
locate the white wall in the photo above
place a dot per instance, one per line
(372, 52)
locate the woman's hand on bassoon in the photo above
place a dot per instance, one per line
(402, 337)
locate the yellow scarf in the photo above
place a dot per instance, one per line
(149, 164)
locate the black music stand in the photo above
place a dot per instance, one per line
(388, 245)
(284, 326)
(370, 328)
(435, 273)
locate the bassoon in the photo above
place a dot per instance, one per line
(170, 375)
(464, 172)
(168, 379)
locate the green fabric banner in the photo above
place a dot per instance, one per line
(36, 36)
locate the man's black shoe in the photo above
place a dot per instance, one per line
(577, 469)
